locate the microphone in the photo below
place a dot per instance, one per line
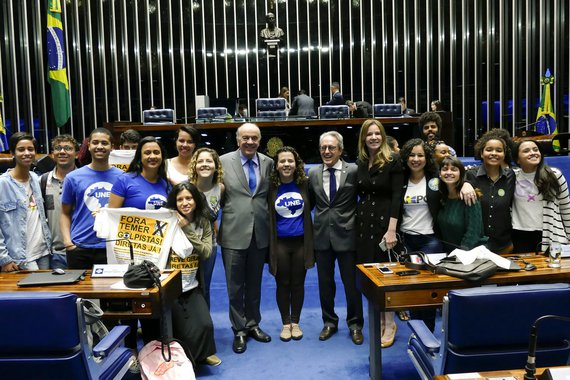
(540, 244)
(530, 368)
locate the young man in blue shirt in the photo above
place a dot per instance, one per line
(85, 191)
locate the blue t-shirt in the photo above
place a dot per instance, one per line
(87, 190)
(140, 193)
(289, 207)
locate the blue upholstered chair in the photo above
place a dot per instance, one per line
(271, 108)
(333, 112)
(44, 337)
(487, 329)
(207, 113)
(159, 116)
(387, 109)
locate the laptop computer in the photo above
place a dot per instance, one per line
(49, 278)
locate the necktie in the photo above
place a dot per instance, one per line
(332, 184)
(252, 179)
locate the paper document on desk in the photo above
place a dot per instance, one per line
(481, 252)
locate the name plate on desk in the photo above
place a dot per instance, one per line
(109, 270)
(565, 250)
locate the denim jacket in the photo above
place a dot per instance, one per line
(13, 218)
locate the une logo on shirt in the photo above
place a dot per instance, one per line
(289, 205)
(97, 195)
(155, 201)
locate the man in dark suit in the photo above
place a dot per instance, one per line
(244, 233)
(336, 99)
(303, 105)
(405, 109)
(360, 109)
(333, 190)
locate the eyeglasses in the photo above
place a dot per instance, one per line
(65, 148)
(331, 148)
(247, 138)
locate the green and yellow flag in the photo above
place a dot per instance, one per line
(57, 65)
(3, 139)
(545, 118)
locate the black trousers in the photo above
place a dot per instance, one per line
(85, 258)
(327, 287)
(244, 270)
(290, 278)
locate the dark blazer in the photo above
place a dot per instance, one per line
(309, 253)
(241, 210)
(380, 196)
(336, 100)
(363, 109)
(334, 224)
(303, 105)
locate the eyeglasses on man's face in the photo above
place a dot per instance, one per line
(331, 148)
(65, 148)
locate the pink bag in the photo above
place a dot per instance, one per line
(154, 366)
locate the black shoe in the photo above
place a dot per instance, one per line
(327, 332)
(240, 344)
(258, 334)
(357, 337)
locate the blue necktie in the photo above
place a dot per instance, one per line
(252, 179)
(332, 184)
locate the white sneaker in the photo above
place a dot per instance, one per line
(296, 332)
(285, 335)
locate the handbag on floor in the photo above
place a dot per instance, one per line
(154, 365)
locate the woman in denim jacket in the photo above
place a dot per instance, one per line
(25, 239)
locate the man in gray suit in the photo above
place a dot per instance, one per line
(303, 105)
(244, 233)
(333, 189)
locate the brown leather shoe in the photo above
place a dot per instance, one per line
(356, 336)
(327, 332)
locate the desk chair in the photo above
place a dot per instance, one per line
(387, 109)
(333, 112)
(271, 108)
(487, 329)
(207, 113)
(44, 337)
(159, 116)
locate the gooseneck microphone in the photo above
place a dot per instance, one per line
(530, 368)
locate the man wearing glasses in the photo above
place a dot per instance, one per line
(64, 149)
(333, 189)
(244, 233)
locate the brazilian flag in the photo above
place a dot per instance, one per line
(57, 65)
(3, 140)
(545, 118)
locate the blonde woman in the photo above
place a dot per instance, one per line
(207, 174)
(380, 181)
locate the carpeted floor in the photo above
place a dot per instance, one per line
(309, 358)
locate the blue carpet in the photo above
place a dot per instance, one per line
(309, 358)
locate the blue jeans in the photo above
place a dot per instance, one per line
(41, 263)
(58, 261)
(207, 267)
(426, 244)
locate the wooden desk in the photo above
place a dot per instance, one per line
(392, 292)
(119, 127)
(116, 303)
